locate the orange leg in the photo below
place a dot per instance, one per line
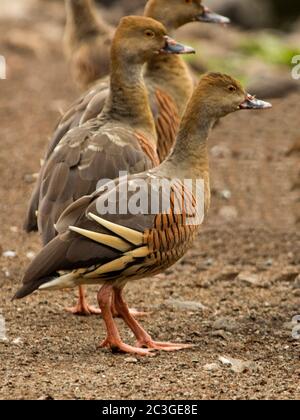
(143, 338)
(113, 339)
(83, 308)
(134, 312)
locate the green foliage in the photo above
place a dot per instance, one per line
(270, 48)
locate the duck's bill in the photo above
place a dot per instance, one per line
(253, 103)
(210, 17)
(173, 47)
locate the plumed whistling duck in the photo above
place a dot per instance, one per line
(113, 249)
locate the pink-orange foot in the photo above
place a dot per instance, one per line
(144, 340)
(117, 346)
(84, 310)
(158, 345)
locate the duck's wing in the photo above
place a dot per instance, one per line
(87, 155)
(70, 250)
(86, 108)
(101, 247)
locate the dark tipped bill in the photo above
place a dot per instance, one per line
(173, 47)
(252, 103)
(210, 17)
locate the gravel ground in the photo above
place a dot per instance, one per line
(233, 296)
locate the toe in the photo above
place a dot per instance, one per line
(157, 345)
(83, 310)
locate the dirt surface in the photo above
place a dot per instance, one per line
(234, 294)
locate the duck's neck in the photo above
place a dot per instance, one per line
(170, 72)
(189, 158)
(82, 19)
(128, 98)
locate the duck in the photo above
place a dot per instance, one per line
(121, 138)
(87, 42)
(87, 37)
(111, 249)
(169, 81)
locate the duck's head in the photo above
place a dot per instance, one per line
(223, 95)
(139, 39)
(176, 13)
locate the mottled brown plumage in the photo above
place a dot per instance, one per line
(122, 138)
(115, 248)
(169, 84)
(87, 42)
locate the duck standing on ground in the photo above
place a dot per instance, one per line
(122, 138)
(168, 80)
(113, 249)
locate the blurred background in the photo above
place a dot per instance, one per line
(257, 48)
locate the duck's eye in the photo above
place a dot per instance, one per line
(188, 1)
(149, 33)
(232, 88)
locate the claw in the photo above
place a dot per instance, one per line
(157, 345)
(120, 347)
(86, 310)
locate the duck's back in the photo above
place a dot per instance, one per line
(165, 110)
(85, 156)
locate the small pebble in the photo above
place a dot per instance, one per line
(248, 278)
(17, 341)
(238, 366)
(209, 262)
(221, 151)
(186, 305)
(3, 337)
(225, 324)
(226, 194)
(9, 254)
(228, 213)
(30, 255)
(211, 367)
(269, 262)
(131, 360)
(296, 284)
(30, 178)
